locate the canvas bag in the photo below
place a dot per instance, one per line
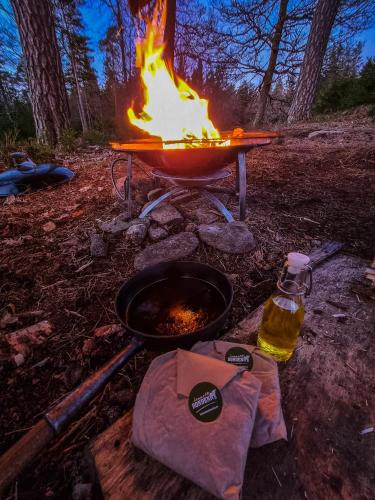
(172, 412)
(269, 424)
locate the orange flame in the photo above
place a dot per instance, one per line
(172, 110)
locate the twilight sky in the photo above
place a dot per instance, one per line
(97, 18)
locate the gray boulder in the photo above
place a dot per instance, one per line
(117, 225)
(157, 233)
(233, 237)
(166, 214)
(175, 247)
(136, 233)
(98, 247)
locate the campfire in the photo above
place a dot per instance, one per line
(172, 110)
(184, 147)
(182, 137)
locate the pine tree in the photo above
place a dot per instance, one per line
(44, 70)
(79, 73)
(307, 87)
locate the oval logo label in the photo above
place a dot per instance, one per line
(239, 357)
(205, 402)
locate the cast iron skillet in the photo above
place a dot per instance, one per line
(60, 416)
(164, 271)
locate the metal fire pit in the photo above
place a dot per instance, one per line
(193, 164)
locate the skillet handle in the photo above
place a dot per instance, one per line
(65, 411)
(13, 461)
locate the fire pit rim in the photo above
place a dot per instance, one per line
(154, 144)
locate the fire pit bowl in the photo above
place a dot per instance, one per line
(175, 304)
(189, 158)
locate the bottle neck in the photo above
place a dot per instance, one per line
(290, 283)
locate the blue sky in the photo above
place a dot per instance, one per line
(97, 18)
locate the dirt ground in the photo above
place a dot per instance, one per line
(300, 192)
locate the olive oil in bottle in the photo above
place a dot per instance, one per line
(284, 311)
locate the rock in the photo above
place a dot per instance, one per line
(166, 214)
(205, 216)
(136, 233)
(324, 133)
(191, 227)
(146, 221)
(49, 226)
(154, 194)
(98, 247)
(157, 233)
(175, 247)
(117, 225)
(19, 359)
(233, 237)
(82, 491)
(181, 199)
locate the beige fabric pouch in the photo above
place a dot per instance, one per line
(269, 423)
(195, 415)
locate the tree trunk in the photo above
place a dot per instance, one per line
(81, 104)
(72, 56)
(268, 76)
(307, 86)
(44, 71)
(120, 27)
(169, 33)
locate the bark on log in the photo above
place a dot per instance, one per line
(321, 27)
(44, 71)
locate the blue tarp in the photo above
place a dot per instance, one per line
(29, 177)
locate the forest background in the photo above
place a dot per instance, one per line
(223, 49)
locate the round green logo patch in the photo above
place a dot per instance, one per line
(239, 357)
(205, 402)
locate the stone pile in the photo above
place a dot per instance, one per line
(171, 233)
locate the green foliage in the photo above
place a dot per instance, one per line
(69, 140)
(39, 153)
(95, 137)
(348, 91)
(10, 143)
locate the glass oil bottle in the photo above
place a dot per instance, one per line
(284, 311)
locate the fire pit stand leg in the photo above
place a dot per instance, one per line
(156, 202)
(128, 191)
(220, 206)
(241, 183)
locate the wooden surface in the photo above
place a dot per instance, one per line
(23, 452)
(327, 392)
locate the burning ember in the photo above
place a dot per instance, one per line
(172, 110)
(180, 319)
